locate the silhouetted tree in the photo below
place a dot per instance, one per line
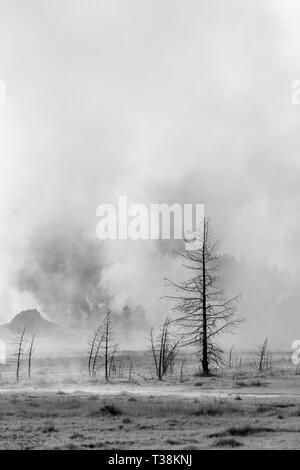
(264, 358)
(203, 311)
(30, 353)
(20, 353)
(163, 350)
(93, 354)
(109, 349)
(102, 351)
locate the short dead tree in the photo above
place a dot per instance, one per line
(102, 350)
(130, 372)
(109, 349)
(94, 343)
(30, 354)
(263, 362)
(181, 370)
(163, 350)
(230, 358)
(20, 352)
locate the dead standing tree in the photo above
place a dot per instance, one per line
(109, 349)
(30, 353)
(203, 311)
(230, 358)
(95, 343)
(102, 350)
(20, 353)
(264, 358)
(163, 350)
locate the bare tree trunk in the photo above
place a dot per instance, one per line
(30, 356)
(112, 364)
(130, 370)
(204, 317)
(163, 352)
(96, 355)
(204, 313)
(154, 354)
(92, 342)
(101, 346)
(20, 354)
(230, 357)
(181, 370)
(263, 357)
(106, 348)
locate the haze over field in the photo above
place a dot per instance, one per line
(164, 102)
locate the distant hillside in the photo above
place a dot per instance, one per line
(33, 321)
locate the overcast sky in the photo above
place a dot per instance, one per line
(160, 100)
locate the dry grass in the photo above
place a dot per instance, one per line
(250, 383)
(171, 415)
(227, 443)
(217, 408)
(61, 421)
(246, 430)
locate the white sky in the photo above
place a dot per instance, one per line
(157, 100)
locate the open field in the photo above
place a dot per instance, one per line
(64, 421)
(62, 408)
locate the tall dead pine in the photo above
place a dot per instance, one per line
(204, 313)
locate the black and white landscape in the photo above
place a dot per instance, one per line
(114, 332)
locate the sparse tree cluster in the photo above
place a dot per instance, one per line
(163, 350)
(23, 356)
(102, 350)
